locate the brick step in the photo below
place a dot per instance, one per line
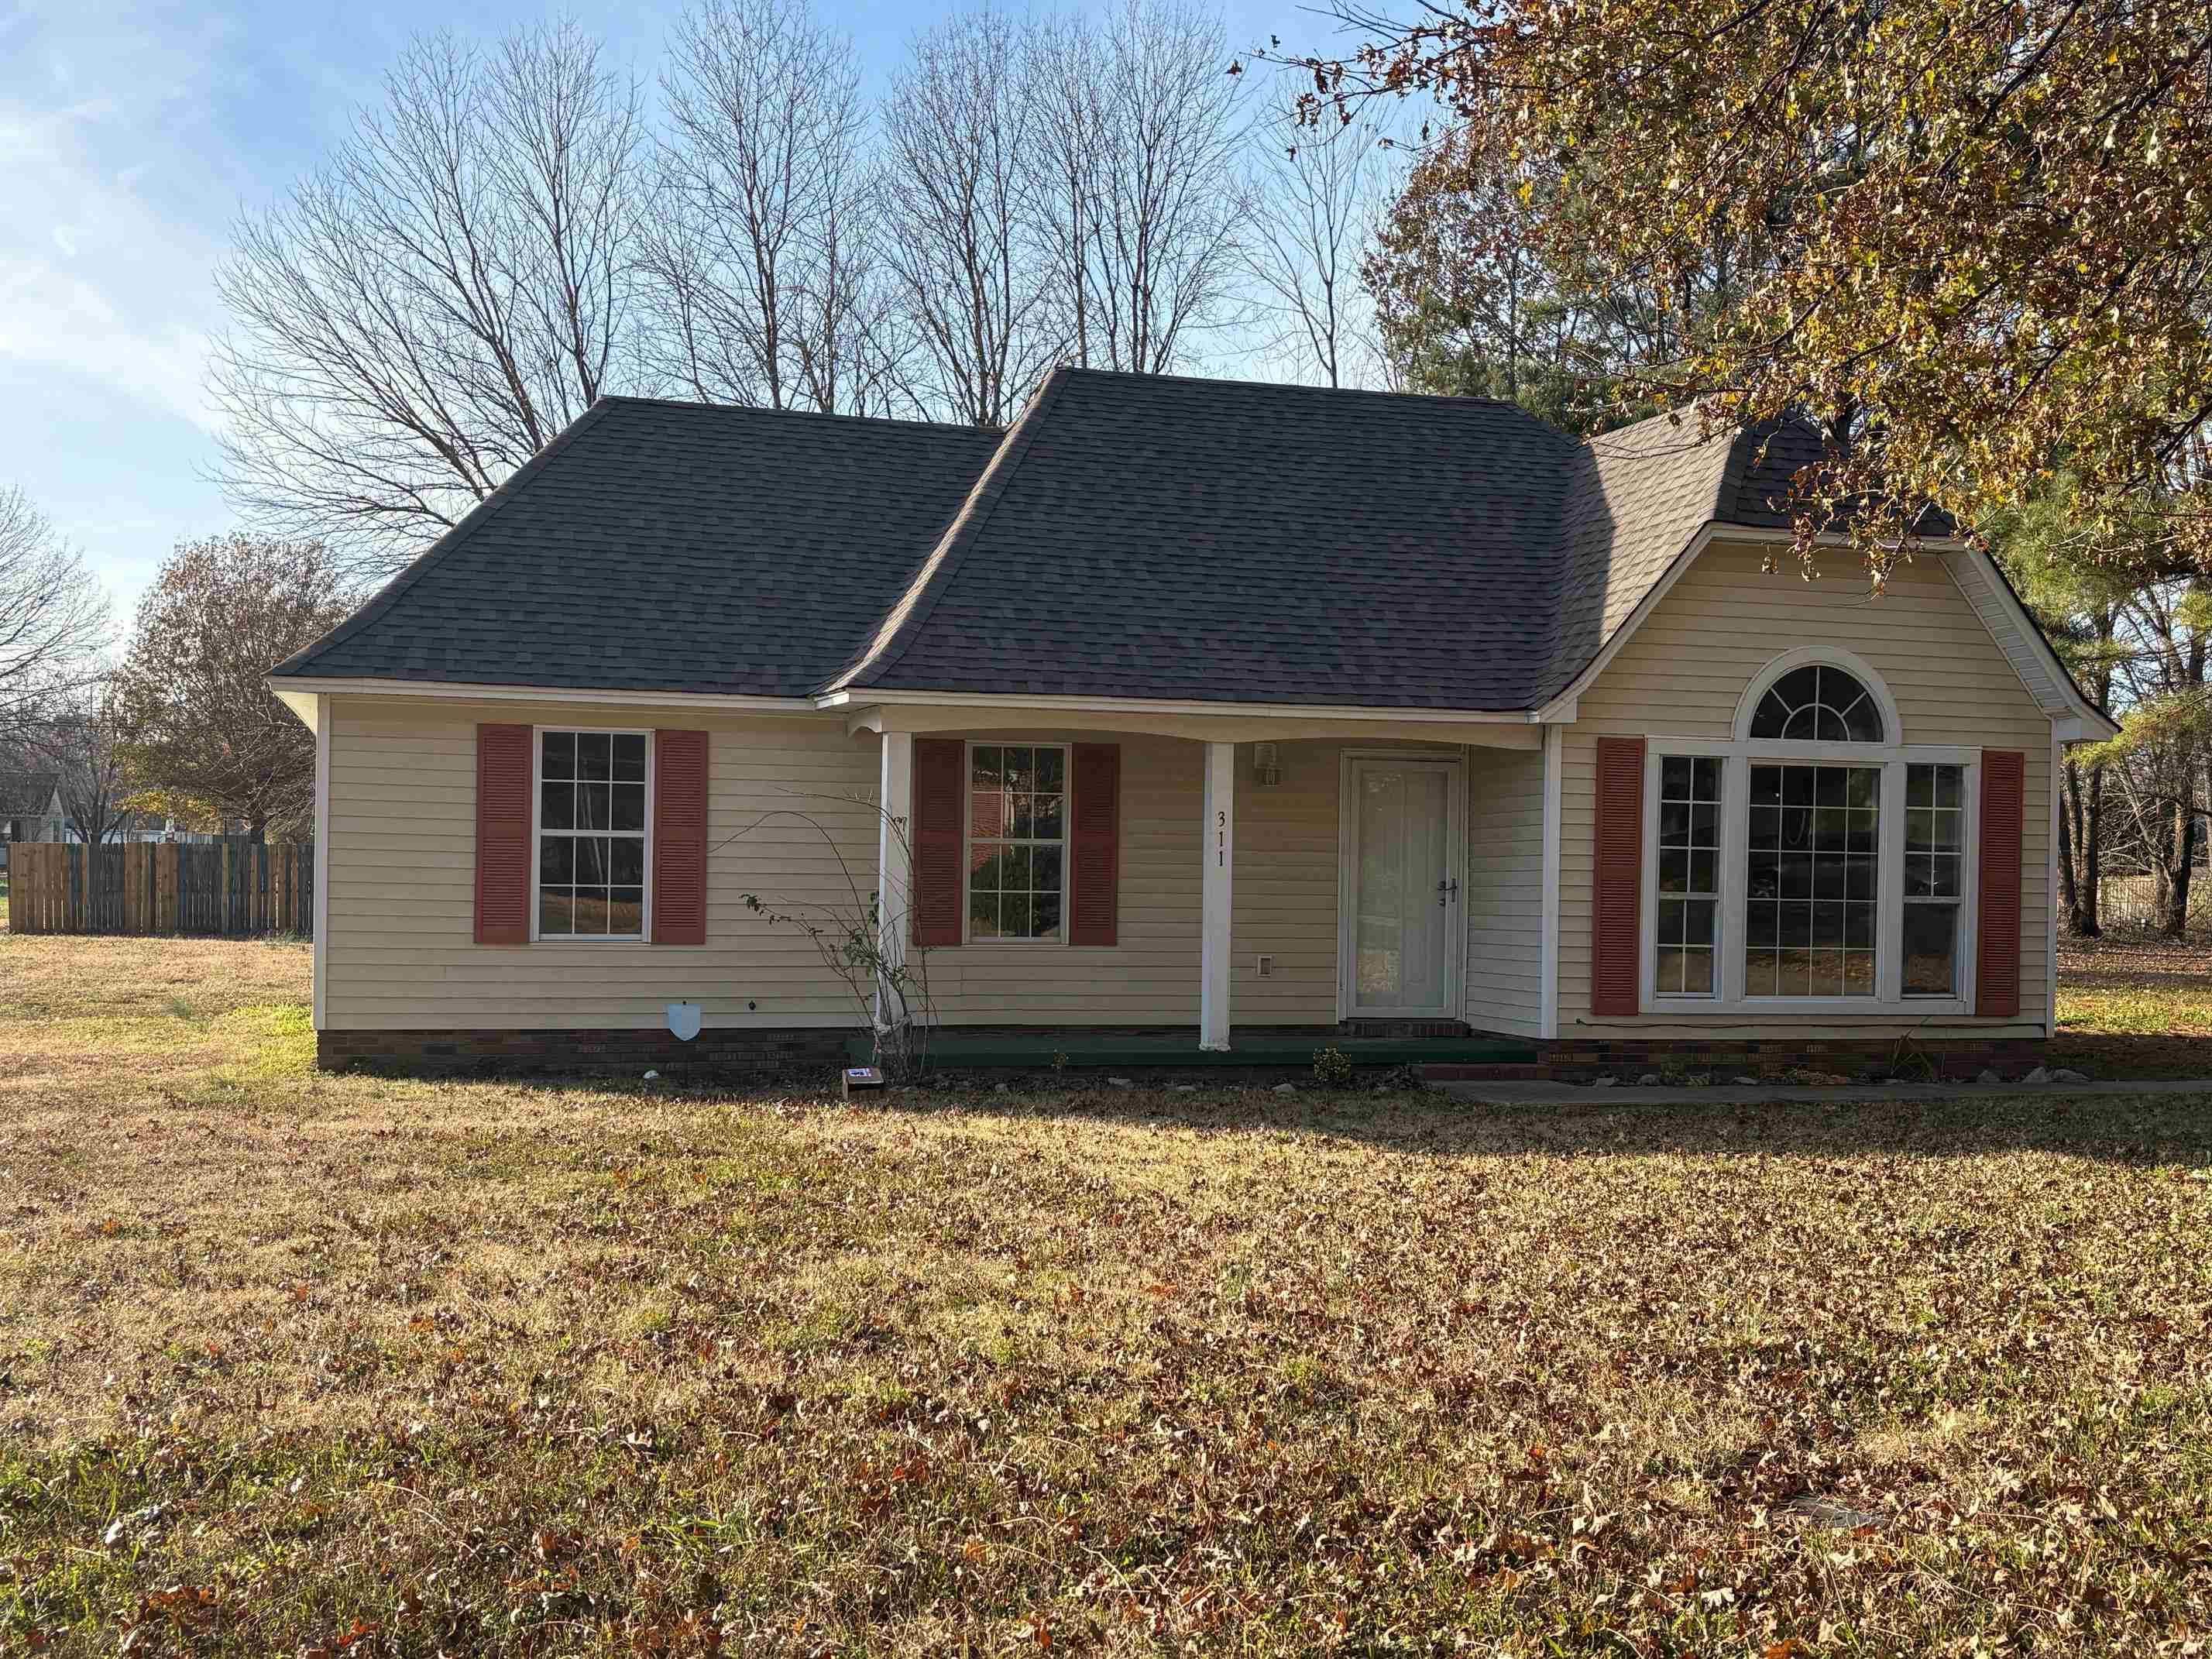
(1477, 1072)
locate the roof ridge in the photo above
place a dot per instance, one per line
(703, 404)
(912, 609)
(474, 519)
(1345, 392)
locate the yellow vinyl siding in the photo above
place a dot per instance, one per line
(1149, 976)
(1283, 903)
(1505, 891)
(1683, 674)
(401, 953)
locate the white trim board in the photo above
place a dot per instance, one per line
(864, 697)
(319, 950)
(1555, 747)
(298, 694)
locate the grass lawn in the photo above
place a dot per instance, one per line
(2134, 1008)
(295, 1364)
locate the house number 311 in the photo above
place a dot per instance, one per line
(1221, 839)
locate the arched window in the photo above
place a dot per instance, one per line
(1819, 703)
(1814, 857)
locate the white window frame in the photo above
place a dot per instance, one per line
(1067, 837)
(1736, 755)
(537, 850)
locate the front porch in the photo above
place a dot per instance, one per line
(1277, 886)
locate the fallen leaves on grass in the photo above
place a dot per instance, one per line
(398, 1368)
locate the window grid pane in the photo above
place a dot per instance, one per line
(591, 835)
(1686, 924)
(1812, 884)
(1017, 829)
(1819, 703)
(1934, 858)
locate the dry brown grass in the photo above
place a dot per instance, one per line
(2134, 1007)
(483, 1367)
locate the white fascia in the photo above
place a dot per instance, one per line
(1081, 705)
(299, 695)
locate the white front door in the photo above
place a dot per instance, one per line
(1402, 920)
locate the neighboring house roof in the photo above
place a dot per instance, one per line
(27, 794)
(672, 547)
(1145, 537)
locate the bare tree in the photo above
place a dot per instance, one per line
(1132, 176)
(959, 240)
(78, 736)
(53, 617)
(760, 248)
(1314, 207)
(418, 318)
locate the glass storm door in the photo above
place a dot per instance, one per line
(1403, 890)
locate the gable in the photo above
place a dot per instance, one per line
(1723, 619)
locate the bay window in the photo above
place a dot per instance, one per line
(1812, 861)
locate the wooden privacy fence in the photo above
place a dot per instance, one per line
(235, 888)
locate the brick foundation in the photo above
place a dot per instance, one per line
(754, 1051)
(1579, 1061)
(778, 1051)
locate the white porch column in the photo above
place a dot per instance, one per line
(1220, 850)
(895, 855)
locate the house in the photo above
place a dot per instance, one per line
(30, 809)
(1215, 712)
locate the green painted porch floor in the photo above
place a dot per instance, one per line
(995, 1049)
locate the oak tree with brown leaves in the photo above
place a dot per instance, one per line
(1979, 234)
(200, 724)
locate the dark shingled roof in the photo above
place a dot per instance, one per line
(1149, 536)
(670, 547)
(1134, 535)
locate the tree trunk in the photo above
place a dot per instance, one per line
(2069, 837)
(2173, 892)
(2093, 863)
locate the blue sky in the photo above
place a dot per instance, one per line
(130, 137)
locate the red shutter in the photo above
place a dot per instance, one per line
(940, 798)
(679, 838)
(1616, 933)
(1095, 837)
(1996, 939)
(503, 773)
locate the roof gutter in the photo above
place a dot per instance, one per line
(867, 697)
(298, 693)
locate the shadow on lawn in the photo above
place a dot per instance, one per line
(2124, 1054)
(2150, 1129)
